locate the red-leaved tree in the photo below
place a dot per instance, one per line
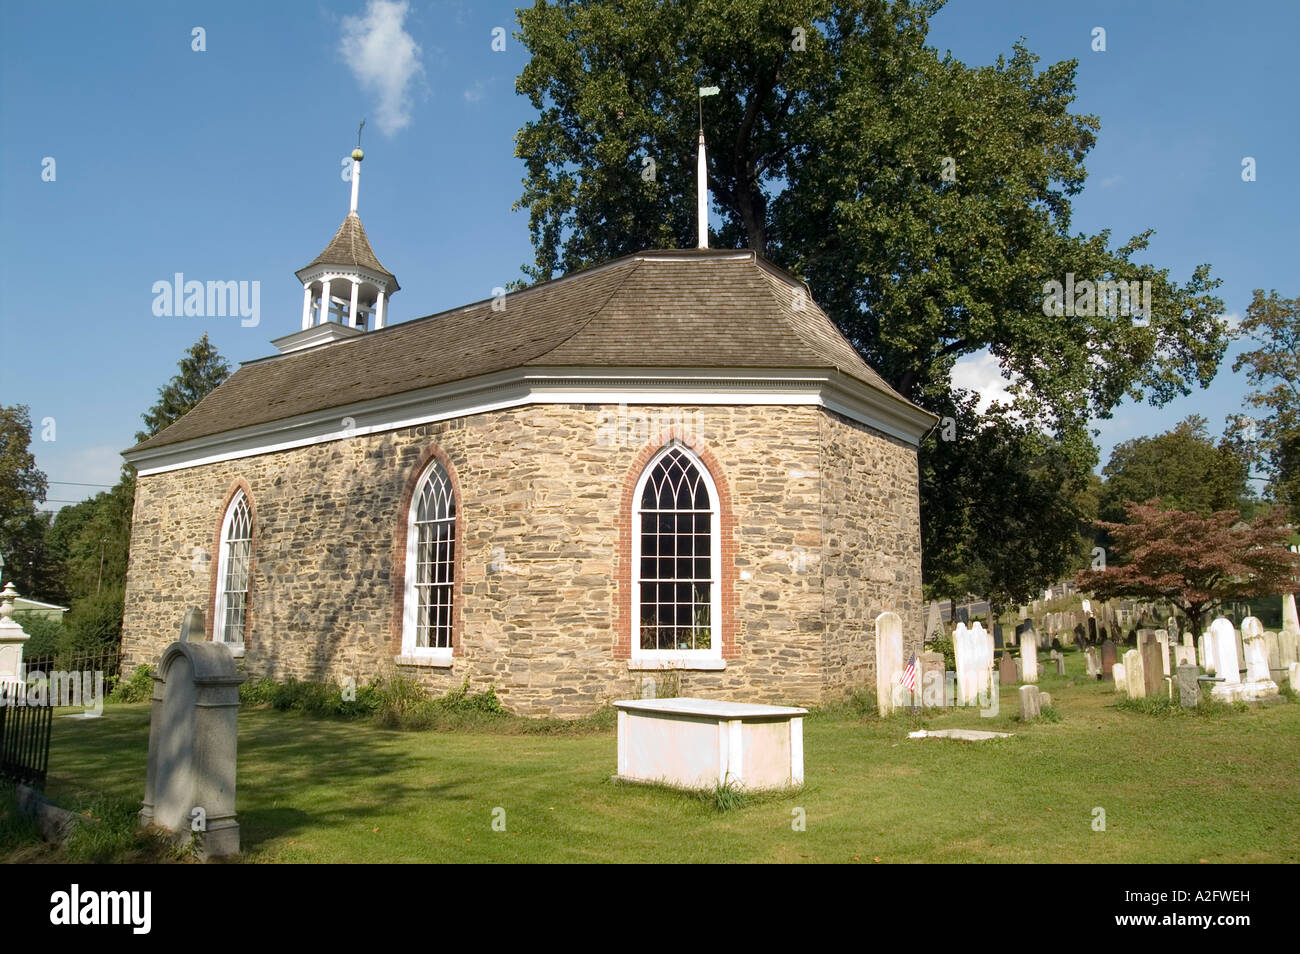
(1195, 562)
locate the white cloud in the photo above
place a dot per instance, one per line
(385, 59)
(475, 93)
(982, 373)
(1231, 320)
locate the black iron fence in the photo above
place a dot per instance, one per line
(25, 725)
(109, 662)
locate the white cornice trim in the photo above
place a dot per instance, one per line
(521, 386)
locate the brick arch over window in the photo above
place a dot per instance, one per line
(624, 565)
(237, 486)
(402, 522)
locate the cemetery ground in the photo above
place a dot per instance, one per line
(1180, 787)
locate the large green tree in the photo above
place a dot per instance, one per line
(1183, 467)
(1272, 326)
(927, 202)
(22, 487)
(90, 541)
(202, 369)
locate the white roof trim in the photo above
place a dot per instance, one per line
(521, 386)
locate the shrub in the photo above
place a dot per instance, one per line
(48, 635)
(94, 623)
(139, 688)
(943, 644)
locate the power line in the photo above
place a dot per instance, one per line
(73, 483)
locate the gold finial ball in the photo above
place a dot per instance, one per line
(357, 154)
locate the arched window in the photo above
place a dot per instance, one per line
(676, 590)
(233, 563)
(430, 566)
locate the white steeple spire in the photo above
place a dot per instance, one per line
(357, 156)
(702, 175)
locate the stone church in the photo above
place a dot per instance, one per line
(670, 467)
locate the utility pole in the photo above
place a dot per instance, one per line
(100, 581)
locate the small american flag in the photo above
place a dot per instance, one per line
(908, 678)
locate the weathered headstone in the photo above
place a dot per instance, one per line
(1185, 656)
(1109, 656)
(1058, 658)
(1274, 649)
(1152, 670)
(1092, 629)
(889, 660)
(1162, 637)
(1294, 670)
(1189, 690)
(1121, 678)
(1006, 670)
(932, 681)
(1030, 707)
(1135, 686)
(1225, 652)
(1288, 648)
(997, 635)
(1029, 656)
(1044, 699)
(1092, 662)
(933, 620)
(190, 779)
(1290, 620)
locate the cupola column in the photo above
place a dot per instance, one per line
(306, 306)
(352, 305)
(324, 302)
(381, 311)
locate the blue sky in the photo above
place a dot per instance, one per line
(225, 165)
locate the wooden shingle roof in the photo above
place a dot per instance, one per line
(693, 309)
(349, 246)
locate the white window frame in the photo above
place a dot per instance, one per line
(410, 599)
(223, 569)
(675, 658)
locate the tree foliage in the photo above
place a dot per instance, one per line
(202, 369)
(1193, 560)
(927, 203)
(1183, 467)
(1272, 324)
(22, 486)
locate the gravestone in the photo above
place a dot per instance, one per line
(1152, 670)
(1134, 684)
(1121, 678)
(933, 620)
(1290, 620)
(1092, 662)
(1109, 656)
(1257, 660)
(1288, 648)
(1006, 670)
(1225, 652)
(1030, 706)
(1208, 662)
(932, 681)
(963, 616)
(1274, 650)
(190, 778)
(1185, 656)
(997, 635)
(1058, 658)
(1044, 699)
(1294, 670)
(1092, 629)
(1029, 656)
(12, 638)
(1162, 637)
(1189, 689)
(889, 660)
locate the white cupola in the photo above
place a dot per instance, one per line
(345, 290)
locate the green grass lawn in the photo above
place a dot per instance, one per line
(1181, 788)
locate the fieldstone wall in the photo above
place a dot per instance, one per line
(871, 560)
(540, 492)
